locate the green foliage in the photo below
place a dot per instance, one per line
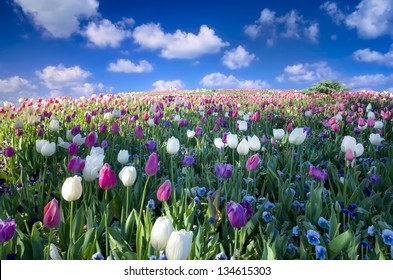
(326, 87)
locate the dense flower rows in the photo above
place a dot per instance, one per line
(219, 175)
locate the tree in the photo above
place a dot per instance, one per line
(326, 87)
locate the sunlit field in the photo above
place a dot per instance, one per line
(239, 175)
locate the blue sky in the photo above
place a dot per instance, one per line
(81, 47)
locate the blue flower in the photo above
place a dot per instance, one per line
(313, 237)
(221, 256)
(201, 191)
(269, 205)
(292, 249)
(320, 252)
(152, 258)
(387, 236)
(365, 244)
(249, 198)
(295, 230)
(323, 223)
(97, 256)
(267, 217)
(151, 204)
(326, 237)
(211, 220)
(162, 256)
(370, 230)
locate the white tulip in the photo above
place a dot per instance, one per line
(173, 145)
(128, 175)
(297, 136)
(39, 144)
(255, 143)
(62, 143)
(308, 113)
(97, 151)
(176, 118)
(108, 116)
(123, 156)
(371, 115)
(218, 143)
(278, 134)
(93, 165)
(242, 125)
(54, 125)
(72, 188)
(150, 122)
(179, 245)
(369, 107)
(243, 148)
(246, 117)
(54, 253)
(190, 134)
(339, 118)
(48, 149)
(232, 141)
(375, 139)
(160, 233)
(69, 135)
(116, 113)
(18, 123)
(349, 142)
(78, 139)
(378, 125)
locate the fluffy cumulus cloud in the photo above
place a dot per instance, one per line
(127, 66)
(162, 85)
(58, 18)
(219, 80)
(370, 56)
(179, 44)
(369, 81)
(107, 34)
(335, 13)
(291, 25)
(307, 72)
(61, 80)
(237, 58)
(372, 18)
(15, 84)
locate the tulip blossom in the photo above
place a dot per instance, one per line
(350, 143)
(278, 134)
(76, 165)
(7, 229)
(151, 167)
(128, 176)
(160, 233)
(123, 156)
(106, 177)
(236, 214)
(319, 174)
(243, 148)
(173, 145)
(242, 125)
(138, 132)
(190, 134)
(219, 144)
(164, 191)
(179, 245)
(252, 162)
(232, 141)
(72, 188)
(93, 165)
(223, 171)
(188, 161)
(375, 139)
(91, 139)
(48, 149)
(151, 145)
(254, 143)
(9, 152)
(52, 214)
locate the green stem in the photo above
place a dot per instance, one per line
(234, 249)
(49, 242)
(127, 201)
(143, 197)
(71, 218)
(106, 226)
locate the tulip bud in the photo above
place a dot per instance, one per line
(73, 149)
(243, 148)
(173, 145)
(232, 141)
(76, 165)
(160, 233)
(236, 214)
(375, 139)
(52, 214)
(179, 245)
(54, 125)
(164, 191)
(297, 136)
(255, 143)
(349, 155)
(278, 134)
(242, 125)
(91, 139)
(72, 188)
(106, 177)
(252, 162)
(151, 167)
(190, 134)
(128, 176)
(7, 229)
(123, 156)
(9, 152)
(48, 149)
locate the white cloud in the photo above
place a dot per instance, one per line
(162, 85)
(219, 80)
(57, 77)
(179, 44)
(333, 11)
(367, 55)
(368, 81)
(127, 66)
(237, 58)
(59, 18)
(87, 89)
(15, 84)
(307, 72)
(291, 25)
(372, 18)
(107, 34)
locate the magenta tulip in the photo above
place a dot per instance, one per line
(76, 165)
(252, 162)
(164, 191)
(151, 167)
(52, 214)
(106, 177)
(91, 139)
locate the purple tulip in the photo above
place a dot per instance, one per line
(7, 230)
(73, 149)
(252, 162)
(9, 152)
(188, 161)
(356, 130)
(115, 128)
(52, 214)
(88, 118)
(164, 191)
(223, 171)
(40, 132)
(249, 210)
(319, 174)
(236, 214)
(151, 167)
(151, 145)
(198, 131)
(76, 130)
(76, 165)
(104, 144)
(138, 132)
(106, 177)
(102, 128)
(264, 139)
(91, 139)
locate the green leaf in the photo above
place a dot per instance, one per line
(340, 243)
(38, 249)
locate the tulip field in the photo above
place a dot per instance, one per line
(213, 175)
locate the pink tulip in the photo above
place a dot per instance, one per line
(106, 177)
(52, 214)
(164, 191)
(252, 162)
(151, 167)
